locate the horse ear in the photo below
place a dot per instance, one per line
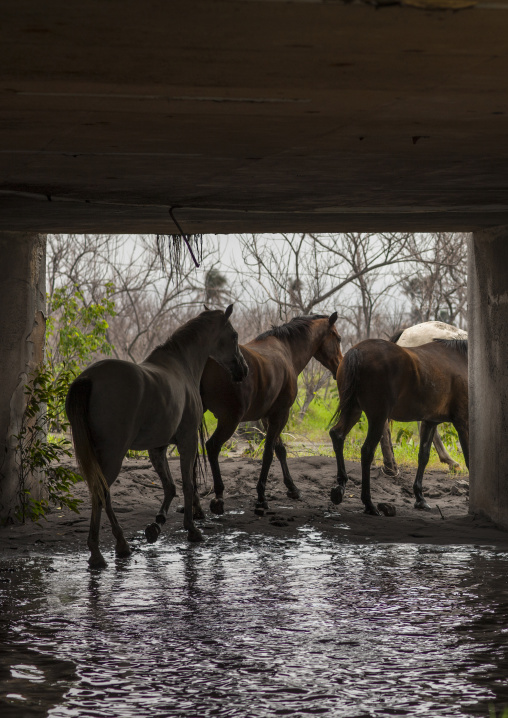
(332, 319)
(229, 311)
(207, 308)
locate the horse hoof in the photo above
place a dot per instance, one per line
(198, 513)
(296, 495)
(152, 532)
(161, 519)
(195, 535)
(123, 551)
(422, 505)
(391, 473)
(372, 511)
(336, 494)
(97, 561)
(261, 504)
(217, 506)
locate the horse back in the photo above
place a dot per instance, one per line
(140, 404)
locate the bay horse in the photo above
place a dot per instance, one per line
(426, 383)
(415, 336)
(116, 405)
(275, 359)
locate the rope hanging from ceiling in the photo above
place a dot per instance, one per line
(172, 247)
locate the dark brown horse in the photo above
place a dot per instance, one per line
(275, 359)
(386, 381)
(116, 405)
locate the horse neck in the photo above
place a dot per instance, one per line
(192, 349)
(302, 349)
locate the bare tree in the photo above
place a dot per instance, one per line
(304, 273)
(150, 300)
(436, 281)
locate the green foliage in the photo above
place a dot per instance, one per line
(255, 448)
(39, 455)
(449, 436)
(133, 454)
(493, 713)
(404, 434)
(75, 332)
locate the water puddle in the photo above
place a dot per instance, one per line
(250, 626)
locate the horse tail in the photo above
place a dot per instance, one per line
(395, 337)
(349, 368)
(76, 406)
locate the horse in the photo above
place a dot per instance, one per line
(275, 359)
(116, 405)
(427, 383)
(415, 336)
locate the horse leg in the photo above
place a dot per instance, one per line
(274, 427)
(224, 431)
(160, 464)
(197, 510)
(389, 464)
(110, 463)
(293, 492)
(338, 435)
(375, 430)
(462, 429)
(444, 456)
(427, 431)
(122, 548)
(188, 449)
(96, 559)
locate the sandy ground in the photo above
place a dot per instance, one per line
(137, 495)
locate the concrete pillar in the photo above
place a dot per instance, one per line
(22, 327)
(488, 373)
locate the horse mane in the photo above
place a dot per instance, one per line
(297, 327)
(185, 332)
(458, 345)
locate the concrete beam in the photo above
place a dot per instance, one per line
(22, 328)
(251, 117)
(488, 373)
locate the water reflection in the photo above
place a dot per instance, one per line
(257, 626)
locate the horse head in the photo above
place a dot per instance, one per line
(227, 352)
(329, 353)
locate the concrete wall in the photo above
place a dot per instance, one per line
(488, 373)
(22, 327)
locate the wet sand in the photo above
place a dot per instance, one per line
(137, 495)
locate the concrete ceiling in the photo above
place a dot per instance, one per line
(252, 116)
